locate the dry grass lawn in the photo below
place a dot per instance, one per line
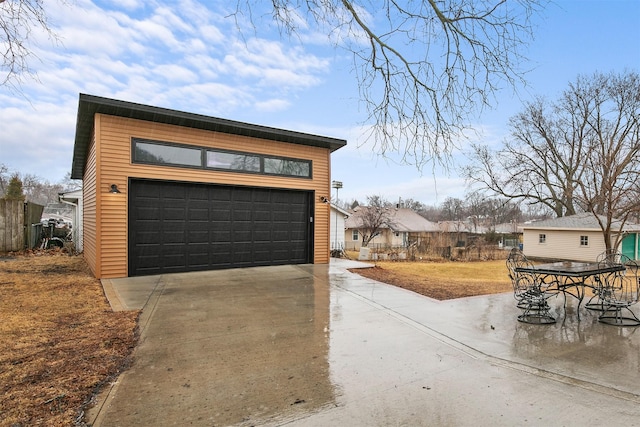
(443, 280)
(59, 339)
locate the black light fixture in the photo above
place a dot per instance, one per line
(114, 189)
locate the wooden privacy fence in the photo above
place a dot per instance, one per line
(20, 225)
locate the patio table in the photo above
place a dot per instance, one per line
(570, 277)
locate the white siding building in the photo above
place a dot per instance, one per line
(576, 238)
(74, 198)
(336, 226)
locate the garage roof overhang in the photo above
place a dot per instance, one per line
(89, 105)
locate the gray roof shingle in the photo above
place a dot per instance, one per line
(581, 221)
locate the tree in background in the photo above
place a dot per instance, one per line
(609, 186)
(14, 189)
(36, 189)
(4, 178)
(424, 69)
(578, 154)
(373, 217)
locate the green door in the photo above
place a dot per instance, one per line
(629, 245)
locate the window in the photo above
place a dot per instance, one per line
(145, 152)
(355, 235)
(584, 240)
(233, 161)
(542, 238)
(275, 166)
(170, 154)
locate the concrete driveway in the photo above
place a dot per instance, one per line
(316, 345)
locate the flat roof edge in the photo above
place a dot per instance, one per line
(89, 105)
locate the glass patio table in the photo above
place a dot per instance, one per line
(570, 277)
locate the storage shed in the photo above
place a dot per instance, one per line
(167, 191)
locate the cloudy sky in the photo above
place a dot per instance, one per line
(188, 55)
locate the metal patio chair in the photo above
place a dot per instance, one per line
(607, 258)
(619, 292)
(528, 291)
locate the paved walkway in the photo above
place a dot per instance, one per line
(316, 345)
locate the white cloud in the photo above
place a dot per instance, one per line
(272, 105)
(41, 141)
(176, 74)
(182, 55)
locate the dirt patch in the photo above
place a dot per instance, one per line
(60, 340)
(435, 287)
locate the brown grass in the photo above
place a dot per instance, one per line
(442, 280)
(59, 339)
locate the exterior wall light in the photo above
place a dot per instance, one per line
(114, 189)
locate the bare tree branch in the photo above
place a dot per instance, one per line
(581, 153)
(18, 20)
(424, 69)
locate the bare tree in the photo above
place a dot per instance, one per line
(541, 163)
(580, 154)
(610, 186)
(373, 217)
(18, 20)
(453, 209)
(4, 178)
(39, 190)
(424, 68)
(69, 184)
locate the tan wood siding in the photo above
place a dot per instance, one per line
(89, 217)
(116, 168)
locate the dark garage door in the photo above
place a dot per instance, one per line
(177, 227)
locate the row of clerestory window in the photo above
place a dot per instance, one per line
(171, 154)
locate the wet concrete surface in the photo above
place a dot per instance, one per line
(316, 345)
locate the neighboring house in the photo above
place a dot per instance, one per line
(457, 233)
(510, 234)
(74, 199)
(576, 237)
(402, 228)
(466, 233)
(168, 191)
(337, 226)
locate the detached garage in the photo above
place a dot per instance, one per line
(167, 191)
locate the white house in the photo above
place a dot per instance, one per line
(74, 198)
(336, 226)
(402, 227)
(576, 238)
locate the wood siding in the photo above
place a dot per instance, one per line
(89, 216)
(109, 162)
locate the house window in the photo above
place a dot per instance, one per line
(584, 240)
(542, 238)
(355, 236)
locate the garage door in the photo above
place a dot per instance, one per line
(177, 227)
